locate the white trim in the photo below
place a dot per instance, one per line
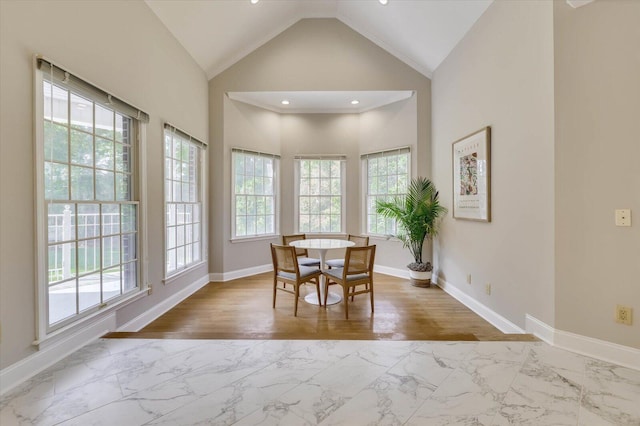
(539, 329)
(606, 351)
(164, 306)
(219, 277)
(394, 272)
(495, 319)
(28, 367)
(175, 277)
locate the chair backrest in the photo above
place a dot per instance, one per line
(286, 239)
(359, 260)
(284, 259)
(359, 240)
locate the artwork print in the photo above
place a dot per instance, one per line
(471, 176)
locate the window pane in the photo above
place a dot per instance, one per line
(123, 155)
(81, 183)
(110, 219)
(58, 99)
(61, 258)
(104, 122)
(56, 181)
(110, 251)
(171, 215)
(81, 148)
(105, 154)
(129, 247)
(123, 187)
(130, 276)
(88, 256)
(56, 142)
(105, 185)
(128, 217)
(61, 222)
(81, 113)
(122, 126)
(111, 282)
(62, 301)
(89, 291)
(88, 220)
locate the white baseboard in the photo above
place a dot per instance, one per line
(240, 273)
(33, 364)
(497, 320)
(394, 272)
(161, 308)
(595, 348)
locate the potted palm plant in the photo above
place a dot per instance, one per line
(416, 215)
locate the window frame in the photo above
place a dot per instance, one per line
(201, 181)
(96, 312)
(276, 196)
(343, 187)
(364, 161)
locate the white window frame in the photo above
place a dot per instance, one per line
(276, 195)
(343, 187)
(44, 330)
(200, 192)
(364, 161)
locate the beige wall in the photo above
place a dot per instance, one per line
(313, 54)
(501, 75)
(122, 47)
(597, 66)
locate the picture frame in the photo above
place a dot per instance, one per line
(472, 176)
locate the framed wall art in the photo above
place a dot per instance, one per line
(472, 176)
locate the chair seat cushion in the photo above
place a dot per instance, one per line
(337, 273)
(335, 263)
(305, 271)
(308, 261)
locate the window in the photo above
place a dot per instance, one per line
(387, 175)
(255, 183)
(320, 194)
(183, 183)
(87, 186)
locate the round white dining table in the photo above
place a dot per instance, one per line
(322, 245)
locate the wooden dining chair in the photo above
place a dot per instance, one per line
(302, 254)
(287, 271)
(360, 241)
(358, 270)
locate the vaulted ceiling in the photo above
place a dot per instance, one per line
(218, 33)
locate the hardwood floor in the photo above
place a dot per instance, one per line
(241, 309)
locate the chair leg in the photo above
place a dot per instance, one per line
(345, 292)
(318, 291)
(326, 290)
(275, 285)
(371, 291)
(295, 305)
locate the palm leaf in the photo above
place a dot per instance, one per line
(415, 213)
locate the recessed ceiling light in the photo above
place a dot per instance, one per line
(254, 1)
(285, 102)
(355, 102)
(383, 2)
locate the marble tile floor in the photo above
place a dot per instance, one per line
(251, 382)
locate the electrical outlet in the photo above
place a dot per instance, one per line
(487, 288)
(468, 278)
(623, 217)
(624, 314)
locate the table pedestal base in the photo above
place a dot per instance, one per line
(332, 298)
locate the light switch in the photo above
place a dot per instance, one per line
(623, 217)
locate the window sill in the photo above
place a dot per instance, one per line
(182, 272)
(255, 238)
